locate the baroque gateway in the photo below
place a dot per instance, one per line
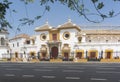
(67, 42)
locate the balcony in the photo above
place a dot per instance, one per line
(53, 42)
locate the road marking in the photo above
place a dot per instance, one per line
(42, 70)
(27, 75)
(107, 72)
(74, 78)
(9, 75)
(109, 66)
(106, 68)
(49, 77)
(13, 69)
(6, 66)
(100, 79)
(76, 68)
(27, 66)
(49, 67)
(72, 71)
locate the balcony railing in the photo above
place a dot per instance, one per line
(53, 41)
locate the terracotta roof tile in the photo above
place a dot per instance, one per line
(101, 31)
(21, 36)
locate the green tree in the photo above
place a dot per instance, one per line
(78, 6)
(4, 5)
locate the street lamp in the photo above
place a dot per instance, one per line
(38, 54)
(102, 54)
(86, 54)
(24, 54)
(10, 54)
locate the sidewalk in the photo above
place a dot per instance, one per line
(90, 62)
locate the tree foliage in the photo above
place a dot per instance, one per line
(4, 5)
(78, 6)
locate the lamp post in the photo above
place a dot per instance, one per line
(38, 55)
(10, 54)
(86, 54)
(102, 54)
(24, 54)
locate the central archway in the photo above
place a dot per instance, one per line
(54, 52)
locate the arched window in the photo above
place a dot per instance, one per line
(2, 41)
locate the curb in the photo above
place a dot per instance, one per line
(64, 62)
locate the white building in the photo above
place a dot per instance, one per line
(4, 48)
(68, 41)
(21, 46)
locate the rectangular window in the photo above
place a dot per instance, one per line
(89, 40)
(106, 40)
(54, 36)
(28, 42)
(17, 44)
(33, 41)
(13, 45)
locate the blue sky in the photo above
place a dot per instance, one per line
(58, 14)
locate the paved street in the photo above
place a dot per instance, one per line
(64, 72)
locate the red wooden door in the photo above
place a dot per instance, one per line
(54, 52)
(92, 55)
(66, 55)
(79, 55)
(108, 55)
(43, 54)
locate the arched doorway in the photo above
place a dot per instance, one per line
(54, 52)
(16, 54)
(32, 55)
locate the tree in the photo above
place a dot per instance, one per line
(78, 6)
(4, 5)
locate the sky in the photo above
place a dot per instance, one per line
(58, 14)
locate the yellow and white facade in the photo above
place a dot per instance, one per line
(69, 42)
